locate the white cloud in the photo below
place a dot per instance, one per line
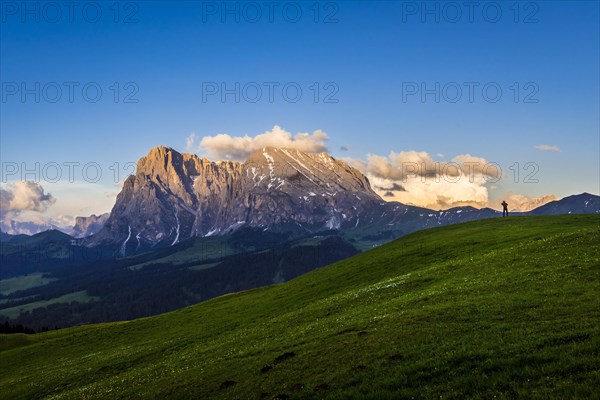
(425, 182)
(224, 146)
(413, 177)
(25, 196)
(190, 141)
(406, 164)
(547, 147)
(434, 194)
(21, 205)
(519, 202)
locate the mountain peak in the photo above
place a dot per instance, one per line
(177, 195)
(160, 152)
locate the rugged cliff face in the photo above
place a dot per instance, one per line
(87, 226)
(176, 196)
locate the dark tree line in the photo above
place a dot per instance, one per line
(6, 327)
(123, 294)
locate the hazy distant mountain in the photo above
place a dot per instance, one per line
(175, 196)
(584, 203)
(84, 226)
(87, 226)
(27, 227)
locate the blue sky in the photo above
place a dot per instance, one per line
(370, 53)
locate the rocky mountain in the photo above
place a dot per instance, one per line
(584, 203)
(175, 196)
(87, 226)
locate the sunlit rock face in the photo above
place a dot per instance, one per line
(175, 196)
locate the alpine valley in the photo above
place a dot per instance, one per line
(185, 229)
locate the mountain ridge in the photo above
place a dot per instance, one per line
(175, 196)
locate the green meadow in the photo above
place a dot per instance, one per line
(500, 308)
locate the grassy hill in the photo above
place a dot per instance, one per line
(504, 308)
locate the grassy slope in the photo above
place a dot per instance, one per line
(11, 285)
(506, 307)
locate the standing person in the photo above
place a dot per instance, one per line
(504, 208)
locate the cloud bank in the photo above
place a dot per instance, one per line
(226, 147)
(25, 197)
(413, 177)
(519, 202)
(410, 177)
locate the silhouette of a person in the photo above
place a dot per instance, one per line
(504, 208)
